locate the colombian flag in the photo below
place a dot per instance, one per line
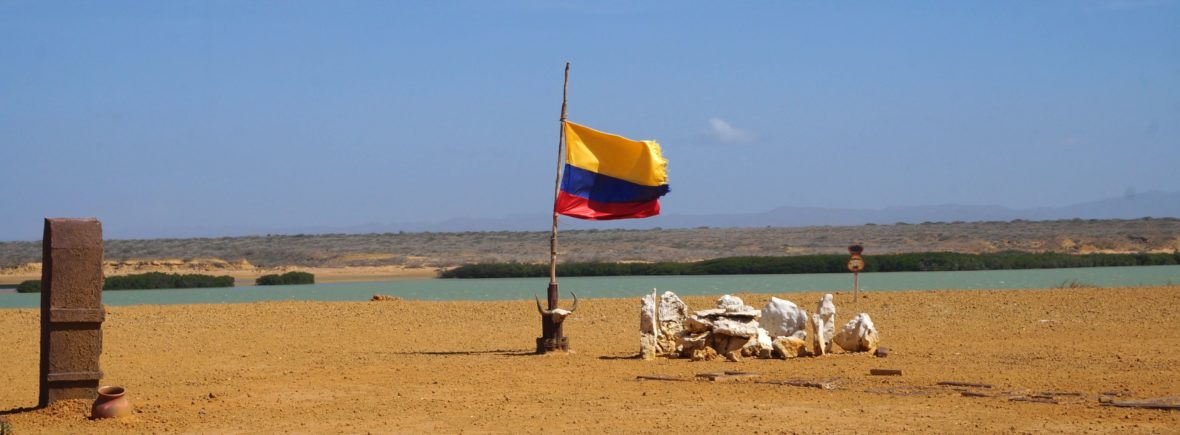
(610, 177)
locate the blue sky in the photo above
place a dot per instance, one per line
(159, 116)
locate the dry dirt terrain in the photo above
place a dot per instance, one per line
(414, 367)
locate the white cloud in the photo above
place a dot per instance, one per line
(722, 132)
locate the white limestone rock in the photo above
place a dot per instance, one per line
(648, 346)
(673, 314)
(695, 324)
(709, 313)
(858, 335)
(762, 346)
(782, 318)
(690, 343)
(732, 306)
(735, 327)
(818, 345)
(824, 322)
(730, 303)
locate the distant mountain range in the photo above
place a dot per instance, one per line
(1150, 204)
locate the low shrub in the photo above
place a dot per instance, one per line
(30, 286)
(158, 280)
(823, 263)
(289, 278)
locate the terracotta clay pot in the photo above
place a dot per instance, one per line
(110, 403)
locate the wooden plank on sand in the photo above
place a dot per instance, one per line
(963, 384)
(659, 378)
(885, 372)
(823, 384)
(1143, 404)
(1034, 399)
(726, 376)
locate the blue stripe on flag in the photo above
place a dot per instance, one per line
(603, 188)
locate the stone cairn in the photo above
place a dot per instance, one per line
(734, 330)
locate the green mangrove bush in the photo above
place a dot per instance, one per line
(289, 278)
(159, 280)
(30, 286)
(908, 262)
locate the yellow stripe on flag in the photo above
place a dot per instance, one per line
(636, 161)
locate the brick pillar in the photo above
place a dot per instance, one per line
(71, 309)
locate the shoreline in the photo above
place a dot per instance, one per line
(420, 285)
(242, 276)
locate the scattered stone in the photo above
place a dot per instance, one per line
(782, 318)
(761, 346)
(735, 327)
(726, 344)
(975, 394)
(859, 335)
(731, 330)
(692, 342)
(790, 347)
(824, 322)
(647, 346)
(765, 353)
(705, 353)
(673, 313)
(697, 323)
(648, 343)
(882, 352)
(730, 303)
(734, 330)
(384, 298)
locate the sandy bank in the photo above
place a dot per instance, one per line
(243, 272)
(410, 366)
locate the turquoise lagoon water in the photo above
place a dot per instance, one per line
(636, 286)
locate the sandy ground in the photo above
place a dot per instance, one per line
(410, 366)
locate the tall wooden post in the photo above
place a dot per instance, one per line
(71, 309)
(552, 338)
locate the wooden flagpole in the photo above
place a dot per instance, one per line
(552, 338)
(556, 191)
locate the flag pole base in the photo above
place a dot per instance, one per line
(546, 345)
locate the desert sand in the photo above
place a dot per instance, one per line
(414, 366)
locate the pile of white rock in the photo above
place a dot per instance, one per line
(734, 330)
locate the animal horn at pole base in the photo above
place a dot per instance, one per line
(539, 309)
(575, 307)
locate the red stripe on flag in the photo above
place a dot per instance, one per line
(582, 208)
